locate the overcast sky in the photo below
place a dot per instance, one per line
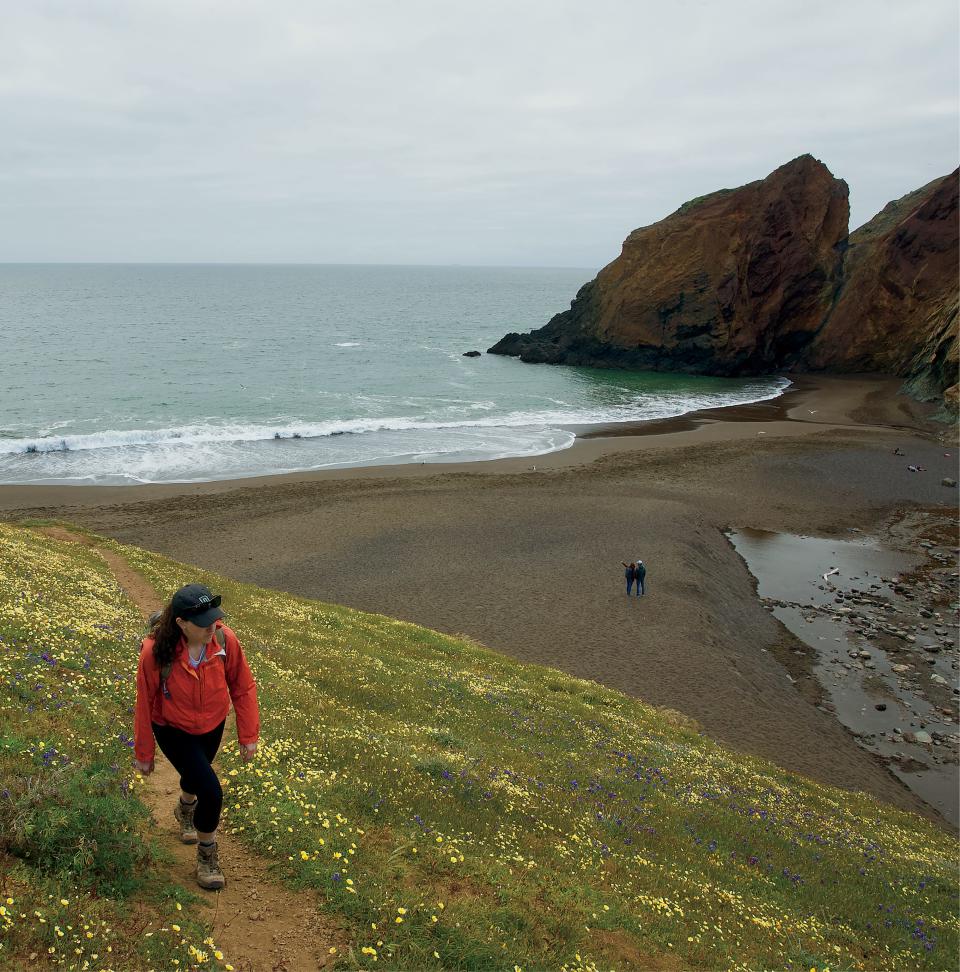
(482, 132)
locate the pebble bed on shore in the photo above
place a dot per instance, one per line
(885, 652)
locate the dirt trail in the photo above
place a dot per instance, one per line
(259, 925)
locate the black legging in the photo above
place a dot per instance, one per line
(191, 756)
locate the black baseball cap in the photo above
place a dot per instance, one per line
(195, 603)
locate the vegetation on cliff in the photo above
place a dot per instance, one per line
(451, 807)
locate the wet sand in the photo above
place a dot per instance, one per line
(524, 555)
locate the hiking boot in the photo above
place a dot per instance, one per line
(184, 814)
(209, 875)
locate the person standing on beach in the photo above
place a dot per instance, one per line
(641, 572)
(191, 668)
(630, 572)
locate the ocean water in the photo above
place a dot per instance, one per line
(181, 373)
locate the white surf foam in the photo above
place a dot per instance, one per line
(218, 450)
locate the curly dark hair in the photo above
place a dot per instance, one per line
(166, 635)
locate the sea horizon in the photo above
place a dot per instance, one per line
(290, 263)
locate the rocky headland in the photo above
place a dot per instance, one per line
(767, 278)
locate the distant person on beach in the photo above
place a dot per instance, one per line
(630, 572)
(191, 668)
(641, 572)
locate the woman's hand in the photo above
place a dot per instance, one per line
(248, 751)
(145, 768)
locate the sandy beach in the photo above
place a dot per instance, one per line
(524, 555)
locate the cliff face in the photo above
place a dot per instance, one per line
(764, 278)
(897, 310)
(736, 282)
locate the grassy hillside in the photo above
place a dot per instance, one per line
(454, 809)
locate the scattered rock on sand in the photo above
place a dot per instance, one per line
(910, 765)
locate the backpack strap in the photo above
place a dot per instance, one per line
(165, 671)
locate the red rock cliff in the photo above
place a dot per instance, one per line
(897, 310)
(764, 278)
(736, 282)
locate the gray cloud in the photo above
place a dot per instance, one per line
(532, 132)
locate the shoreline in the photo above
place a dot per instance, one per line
(522, 555)
(573, 428)
(592, 442)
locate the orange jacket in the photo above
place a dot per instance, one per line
(199, 697)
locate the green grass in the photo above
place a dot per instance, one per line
(456, 809)
(79, 882)
(65, 820)
(691, 204)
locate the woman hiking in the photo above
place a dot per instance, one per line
(191, 668)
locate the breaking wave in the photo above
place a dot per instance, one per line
(212, 450)
(213, 433)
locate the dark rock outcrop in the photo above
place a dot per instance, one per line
(764, 278)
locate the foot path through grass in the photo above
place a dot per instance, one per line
(418, 802)
(260, 923)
